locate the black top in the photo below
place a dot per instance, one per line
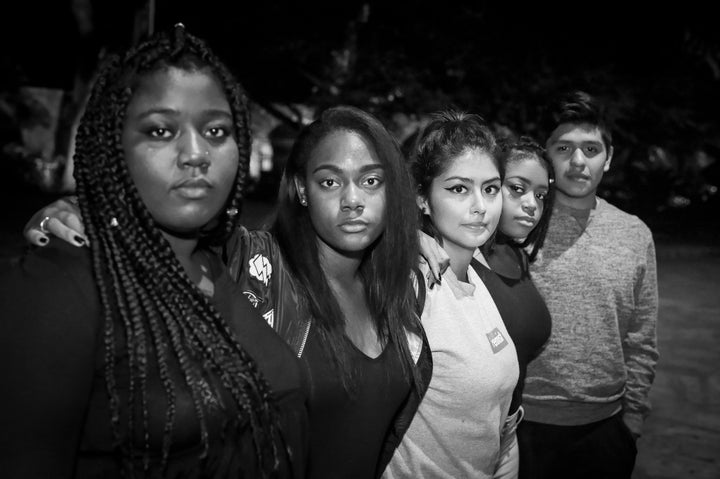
(521, 306)
(54, 406)
(347, 431)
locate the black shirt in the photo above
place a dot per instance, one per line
(54, 406)
(348, 430)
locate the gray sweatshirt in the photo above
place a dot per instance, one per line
(597, 274)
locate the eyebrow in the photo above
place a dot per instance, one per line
(335, 169)
(522, 178)
(585, 142)
(468, 180)
(172, 112)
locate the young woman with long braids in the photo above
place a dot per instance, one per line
(334, 278)
(138, 357)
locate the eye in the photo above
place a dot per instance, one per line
(159, 133)
(216, 132)
(373, 182)
(457, 189)
(591, 150)
(328, 183)
(541, 196)
(518, 189)
(492, 189)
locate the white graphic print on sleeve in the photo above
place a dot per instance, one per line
(260, 268)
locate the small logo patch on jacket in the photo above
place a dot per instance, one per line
(497, 340)
(260, 268)
(253, 298)
(270, 318)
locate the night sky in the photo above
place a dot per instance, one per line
(271, 44)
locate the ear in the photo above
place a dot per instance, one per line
(300, 189)
(608, 159)
(423, 204)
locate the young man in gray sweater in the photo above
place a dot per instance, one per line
(586, 394)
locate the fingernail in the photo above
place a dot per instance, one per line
(42, 240)
(79, 240)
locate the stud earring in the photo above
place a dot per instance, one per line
(114, 222)
(232, 211)
(303, 201)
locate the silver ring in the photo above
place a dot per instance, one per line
(42, 225)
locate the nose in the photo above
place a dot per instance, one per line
(352, 198)
(193, 151)
(529, 204)
(478, 205)
(578, 158)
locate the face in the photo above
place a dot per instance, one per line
(344, 186)
(580, 158)
(180, 149)
(464, 203)
(524, 190)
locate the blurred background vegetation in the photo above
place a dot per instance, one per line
(658, 70)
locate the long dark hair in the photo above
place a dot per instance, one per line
(150, 306)
(387, 265)
(525, 148)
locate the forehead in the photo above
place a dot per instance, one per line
(576, 133)
(177, 89)
(531, 169)
(344, 150)
(473, 164)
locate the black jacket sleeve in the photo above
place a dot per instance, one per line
(48, 335)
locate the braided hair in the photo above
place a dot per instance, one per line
(150, 306)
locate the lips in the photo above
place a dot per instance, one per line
(577, 177)
(475, 226)
(353, 226)
(526, 220)
(193, 188)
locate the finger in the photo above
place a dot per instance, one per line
(430, 280)
(36, 237)
(444, 266)
(73, 222)
(57, 228)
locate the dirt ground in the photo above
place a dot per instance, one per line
(682, 434)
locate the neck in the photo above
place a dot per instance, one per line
(583, 203)
(459, 260)
(340, 268)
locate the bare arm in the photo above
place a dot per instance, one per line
(435, 257)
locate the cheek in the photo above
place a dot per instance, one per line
(379, 206)
(147, 180)
(495, 209)
(321, 212)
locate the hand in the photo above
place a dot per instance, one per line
(435, 257)
(63, 220)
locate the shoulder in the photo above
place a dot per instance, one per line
(51, 283)
(621, 220)
(508, 260)
(58, 265)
